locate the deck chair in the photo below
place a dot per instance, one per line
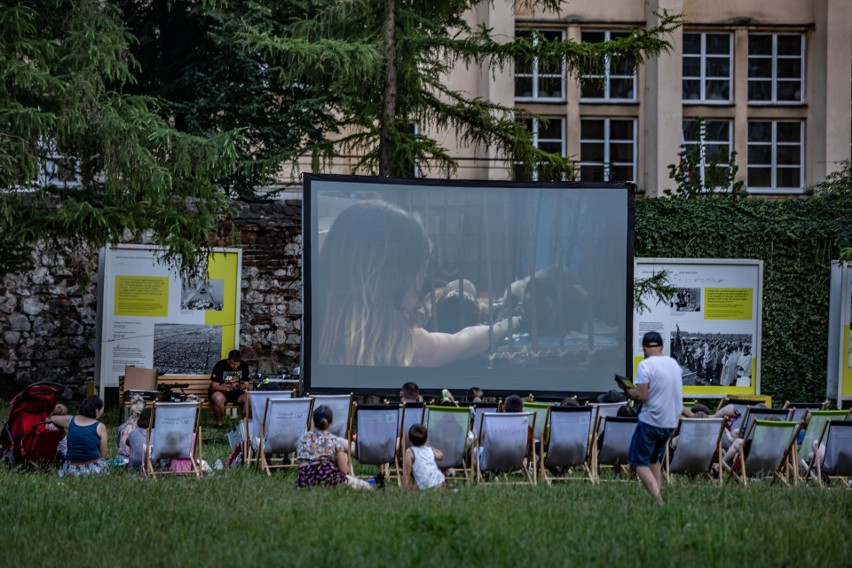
(341, 406)
(504, 446)
(285, 421)
(478, 409)
(759, 413)
(612, 443)
(375, 442)
(410, 413)
(540, 410)
(253, 419)
(741, 404)
(769, 448)
(815, 421)
(800, 409)
(448, 429)
(837, 463)
(699, 448)
(604, 410)
(567, 443)
(174, 433)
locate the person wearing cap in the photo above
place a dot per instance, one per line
(659, 388)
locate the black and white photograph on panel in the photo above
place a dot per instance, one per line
(713, 359)
(686, 300)
(202, 294)
(186, 349)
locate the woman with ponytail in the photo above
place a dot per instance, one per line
(322, 456)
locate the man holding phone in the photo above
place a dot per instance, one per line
(659, 387)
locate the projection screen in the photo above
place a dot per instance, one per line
(509, 286)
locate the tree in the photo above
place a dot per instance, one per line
(380, 65)
(705, 171)
(82, 161)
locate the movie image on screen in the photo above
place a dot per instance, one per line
(510, 287)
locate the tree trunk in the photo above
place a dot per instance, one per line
(388, 117)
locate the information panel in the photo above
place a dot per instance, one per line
(839, 336)
(149, 317)
(711, 325)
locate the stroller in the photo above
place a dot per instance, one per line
(26, 440)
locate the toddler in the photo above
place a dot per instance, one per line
(420, 461)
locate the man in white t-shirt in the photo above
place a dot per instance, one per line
(659, 388)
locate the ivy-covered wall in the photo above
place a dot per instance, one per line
(796, 239)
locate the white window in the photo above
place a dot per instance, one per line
(607, 149)
(617, 80)
(548, 134)
(776, 68)
(709, 142)
(537, 80)
(707, 67)
(776, 155)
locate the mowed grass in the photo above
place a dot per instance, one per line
(243, 518)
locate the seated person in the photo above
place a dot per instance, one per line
(229, 382)
(322, 456)
(420, 461)
(136, 442)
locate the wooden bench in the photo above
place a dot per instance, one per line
(197, 385)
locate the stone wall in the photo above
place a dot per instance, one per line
(48, 319)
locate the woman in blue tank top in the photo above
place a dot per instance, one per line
(87, 440)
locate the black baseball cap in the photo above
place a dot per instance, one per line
(652, 339)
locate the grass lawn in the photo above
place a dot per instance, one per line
(240, 517)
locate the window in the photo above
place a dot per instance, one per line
(776, 68)
(536, 79)
(707, 67)
(548, 135)
(617, 82)
(709, 141)
(607, 149)
(775, 155)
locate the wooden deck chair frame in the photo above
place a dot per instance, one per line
(194, 455)
(410, 413)
(759, 413)
(602, 423)
(337, 402)
(555, 447)
(454, 446)
(713, 449)
(527, 468)
(250, 451)
(267, 461)
(824, 478)
(801, 409)
(741, 404)
(389, 468)
(786, 465)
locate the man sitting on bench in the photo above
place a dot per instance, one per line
(229, 381)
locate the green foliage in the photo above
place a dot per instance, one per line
(120, 165)
(795, 239)
(702, 173)
(655, 286)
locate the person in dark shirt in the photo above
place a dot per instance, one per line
(229, 382)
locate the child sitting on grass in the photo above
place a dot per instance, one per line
(136, 442)
(420, 461)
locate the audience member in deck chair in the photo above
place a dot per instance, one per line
(659, 387)
(172, 435)
(765, 449)
(567, 445)
(504, 444)
(420, 461)
(835, 459)
(696, 447)
(322, 456)
(372, 270)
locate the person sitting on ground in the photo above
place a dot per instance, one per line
(136, 442)
(137, 404)
(420, 461)
(322, 456)
(87, 440)
(229, 382)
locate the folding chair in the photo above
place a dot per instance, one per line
(566, 444)
(375, 441)
(759, 413)
(837, 463)
(800, 409)
(815, 421)
(741, 404)
(604, 410)
(478, 409)
(285, 421)
(448, 429)
(341, 406)
(410, 413)
(174, 433)
(699, 448)
(540, 410)
(612, 443)
(504, 445)
(768, 448)
(253, 419)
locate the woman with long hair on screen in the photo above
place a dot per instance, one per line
(372, 270)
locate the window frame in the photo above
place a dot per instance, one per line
(536, 140)
(607, 141)
(702, 144)
(774, 79)
(535, 76)
(607, 74)
(774, 167)
(703, 78)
